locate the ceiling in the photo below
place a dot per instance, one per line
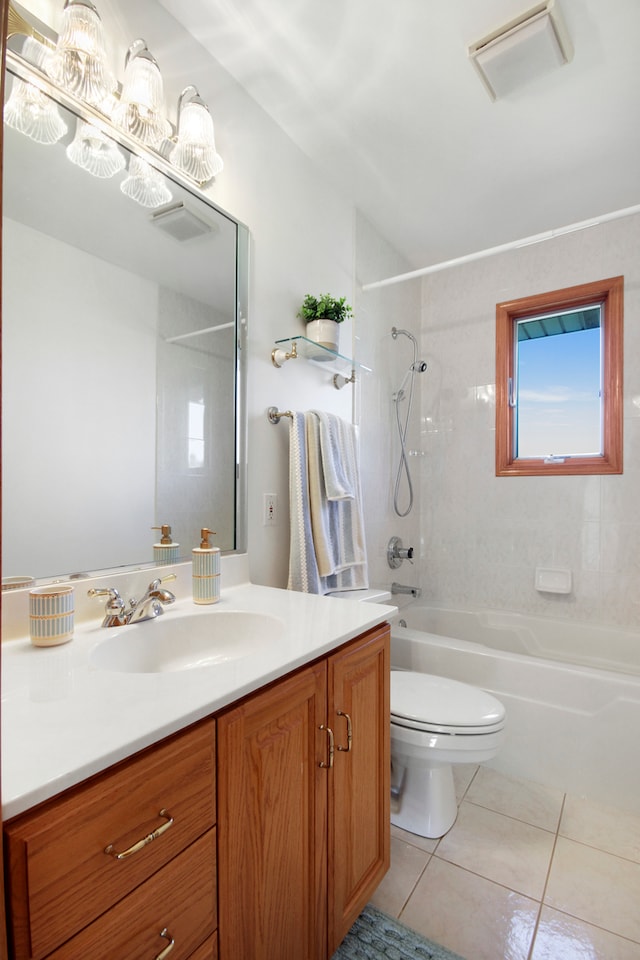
(383, 97)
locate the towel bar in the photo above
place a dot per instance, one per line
(274, 414)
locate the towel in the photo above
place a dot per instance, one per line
(327, 547)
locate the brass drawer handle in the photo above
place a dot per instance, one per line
(347, 749)
(167, 950)
(145, 840)
(331, 747)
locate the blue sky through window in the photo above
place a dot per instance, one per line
(558, 395)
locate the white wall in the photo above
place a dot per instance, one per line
(484, 535)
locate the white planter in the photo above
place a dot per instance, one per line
(324, 332)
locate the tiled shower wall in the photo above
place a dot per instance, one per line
(483, 536)
(376, 312)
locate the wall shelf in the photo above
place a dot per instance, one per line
(292, 348)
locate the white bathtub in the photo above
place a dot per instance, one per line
(569, 726)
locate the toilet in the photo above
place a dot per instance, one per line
(436, 722)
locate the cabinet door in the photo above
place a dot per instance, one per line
(272, 811)
(359, 786)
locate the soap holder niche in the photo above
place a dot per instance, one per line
(553, 580)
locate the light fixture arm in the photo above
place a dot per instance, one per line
(193, 97)
(80, 3)
(18, 26)
(139, 48)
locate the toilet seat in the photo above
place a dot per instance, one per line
(428, 703)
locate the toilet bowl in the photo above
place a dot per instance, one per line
(436, 722)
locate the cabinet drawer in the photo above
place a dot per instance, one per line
(61, 878)
(180, 898)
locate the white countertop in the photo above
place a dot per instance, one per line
(64, 720)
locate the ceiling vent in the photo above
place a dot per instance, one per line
(180, 222)
(522, 50)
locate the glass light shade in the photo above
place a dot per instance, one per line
(79, 63)
(95, 152)
(195, 151)
(32, 112)
(141, 108)
(145, 185)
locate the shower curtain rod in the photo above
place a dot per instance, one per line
(512, 245)
(198, 333)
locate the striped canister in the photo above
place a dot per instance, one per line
(206, 575)
(51, 612)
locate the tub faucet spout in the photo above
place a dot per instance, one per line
(402, 588)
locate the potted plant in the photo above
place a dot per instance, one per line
(322, 315)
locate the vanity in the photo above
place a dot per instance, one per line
(237, 808)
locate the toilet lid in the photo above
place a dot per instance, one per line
(424, 698)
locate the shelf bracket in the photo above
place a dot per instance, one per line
(339, 381)
(280, 356)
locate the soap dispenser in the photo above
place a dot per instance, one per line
(206, 570)
(166, 551)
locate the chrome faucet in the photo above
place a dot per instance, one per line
(117, 613)
(401, 588)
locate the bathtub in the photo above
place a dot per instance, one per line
(574, 726)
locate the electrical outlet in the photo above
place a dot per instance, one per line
(270, 511)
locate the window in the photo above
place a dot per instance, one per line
(196, 434)
(559, 382)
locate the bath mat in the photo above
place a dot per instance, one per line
(375, 936)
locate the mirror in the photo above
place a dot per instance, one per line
(123, 328)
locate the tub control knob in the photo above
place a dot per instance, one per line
(396, 553)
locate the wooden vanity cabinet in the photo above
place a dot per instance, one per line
(303, 834)
(62, 884)
(302, 831)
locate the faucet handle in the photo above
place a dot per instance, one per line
(156, 591)
(115, 603)
(396, 553)
(115, 611)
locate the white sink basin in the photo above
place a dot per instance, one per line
(171, 644)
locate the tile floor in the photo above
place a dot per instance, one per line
(525, 873)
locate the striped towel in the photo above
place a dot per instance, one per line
(327, 548)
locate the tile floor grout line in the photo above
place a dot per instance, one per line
(413, 889)
(481, 876)
(510, 816)
(546, 882)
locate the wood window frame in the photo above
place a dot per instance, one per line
(610, 295)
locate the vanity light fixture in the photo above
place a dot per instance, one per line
(30, 111)
(76, 62)
(95, 152)
(79, 62)
(141, 108)
(145, 185)
(195, 150)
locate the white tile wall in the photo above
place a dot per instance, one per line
(484, 535)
